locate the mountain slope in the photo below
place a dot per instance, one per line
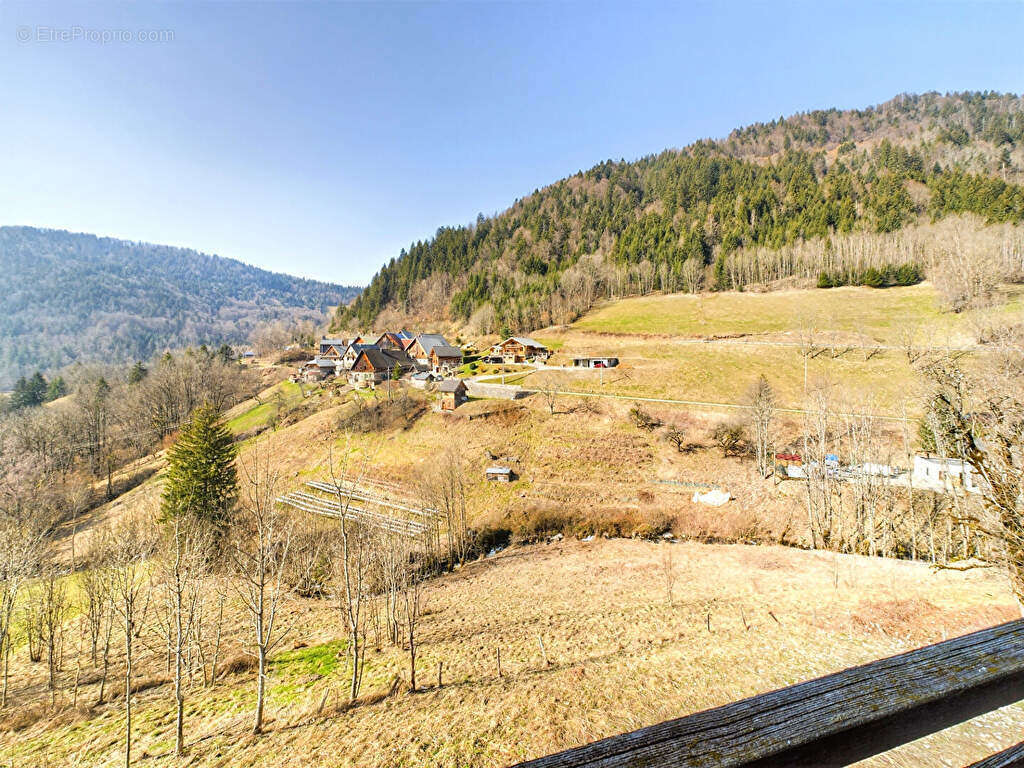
(684, 219)
(67, 297)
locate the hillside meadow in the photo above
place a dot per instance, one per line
(872, 315)
(710, 348)
(622, 652)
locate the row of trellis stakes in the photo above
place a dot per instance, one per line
(370, 503)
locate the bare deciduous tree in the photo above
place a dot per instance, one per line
(261, 540)
(185, 560)
(677, 437)
(131, 545)
(762, 414)
(53, 611)
(20, 547)
(823, 490)
(412, 600)
(96, 586)
(980, 420)
(729, 437)
(444, 489)
(353, 562)
(668, 571)
(907, 335)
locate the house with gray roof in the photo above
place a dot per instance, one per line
(374, 365)
(420, 347)
(453, 393)
(335, 347)
(519, 349)
(444, 358)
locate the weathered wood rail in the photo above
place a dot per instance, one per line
(834, 720)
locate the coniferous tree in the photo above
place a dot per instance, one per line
(137, 373)
(56, 389)
(29, 392)
(201, 476)
(37, 388)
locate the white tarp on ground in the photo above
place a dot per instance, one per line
(712, 498)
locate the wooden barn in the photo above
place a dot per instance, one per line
(453, 393)
(351, 353)
(419, 348)
(498, 474)
(319, 368)
(389, 340)
(334, 349)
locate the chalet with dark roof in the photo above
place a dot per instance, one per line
(374, 365)
(420, 348)
(390, 340)
(519, 349)
(444, 358)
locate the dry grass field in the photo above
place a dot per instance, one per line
(712, 347)
(723, 373)
(622, 655)
(873, 315)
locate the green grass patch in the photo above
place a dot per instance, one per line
(276, 402)
(315, 660)
(509, 378)
(878, 314)
(551, 343)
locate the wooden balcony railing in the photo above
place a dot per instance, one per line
(834, 720)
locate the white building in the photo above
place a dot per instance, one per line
(945, 473)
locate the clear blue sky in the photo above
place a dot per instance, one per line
(319, 139)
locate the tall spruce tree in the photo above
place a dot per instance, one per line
(56, 389)
(137, 373)
(201, 476)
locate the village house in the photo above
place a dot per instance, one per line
(419, 348)
(320, 368)
(422, 379)
(519, 349)
(351, 353)
(595, 362)
(444, 358)
(390, 340)
(335, 348)
(945, 473)
(374, 365)
(453, 393)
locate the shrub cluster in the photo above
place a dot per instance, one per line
(642, 419)
(539, 523)
(297, 355)
(379, 415)
(887, 276)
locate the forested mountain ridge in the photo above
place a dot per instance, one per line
(66, 297)
(688, 219)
